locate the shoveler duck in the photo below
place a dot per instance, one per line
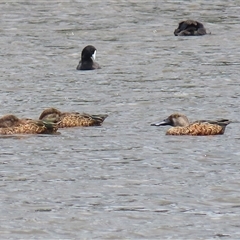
(182, 126)
(190, 28)
(87, 59)
(10, 124)
(72, 119)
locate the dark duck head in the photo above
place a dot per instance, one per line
(87, 59)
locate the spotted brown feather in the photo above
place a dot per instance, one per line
(72, 119)
(10, 124)
(181, 126)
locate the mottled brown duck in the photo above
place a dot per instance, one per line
(182, 126)
(72, 119)
(190, 28)
(10, 124)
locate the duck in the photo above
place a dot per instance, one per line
(10, 124)
(181, 126)
(190, 28)
(72, 119)
(87, 59)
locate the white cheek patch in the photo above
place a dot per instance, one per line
(94, 55)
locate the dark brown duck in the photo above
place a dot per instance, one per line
(190, 28)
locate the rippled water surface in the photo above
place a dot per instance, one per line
(125, 179)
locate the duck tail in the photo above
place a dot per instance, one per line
(223, 123)
(220, 122)
(99, 118)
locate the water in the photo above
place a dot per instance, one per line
(125, 179)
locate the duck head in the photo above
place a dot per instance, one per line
(175, 120)
(89, 52)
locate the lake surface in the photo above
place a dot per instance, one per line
(125, 179)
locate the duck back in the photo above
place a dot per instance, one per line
(197, 129)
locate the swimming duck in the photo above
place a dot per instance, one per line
(190, 28)
(87, 59)
(182, 126)
(72, 119)
(10, 124)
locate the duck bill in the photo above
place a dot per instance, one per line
(163, 123)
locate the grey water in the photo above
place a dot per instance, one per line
(125, 179)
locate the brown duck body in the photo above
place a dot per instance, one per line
(190, 28)
(10, 124)
(181, 126)
(197, 129)
(73, 119)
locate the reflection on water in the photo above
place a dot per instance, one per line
(125, 179)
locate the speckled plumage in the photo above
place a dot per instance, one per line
(190, 28)
(196, 129)
(72, 119)
(10, 124)
(181, 126)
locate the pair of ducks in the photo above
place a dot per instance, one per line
(180, 123)
(185, 28)
(51, 119)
